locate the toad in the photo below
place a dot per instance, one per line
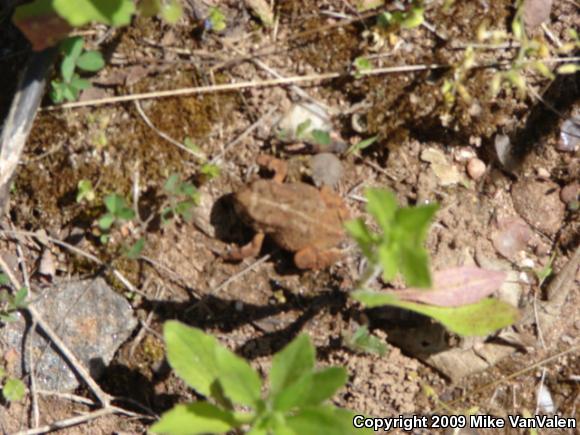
(299, 217)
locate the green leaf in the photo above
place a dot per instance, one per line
(67, 68)
(56, 92)
(362, 64)
(4, 280)
(480, 319)
(210, 170)
(382, 205)
(85, 191)
(195, 418)
(389, 260)
(217, 19)
(302, 129)
(171, 11)
(91, 61)
(126, 214)
(414, 18)
(106, 221)
(365, 143)
(72, 48)
(14, 390)
(69, 92)
(324, 419)
(192, 354)
(320, 137)
(414, 266)
(81, 12)
(363, 341)
(311, 389)
(291, 363)
(135, 250)
(79, 84)
(172, 184)
(240, 382)
(19, 300)
(325, 384)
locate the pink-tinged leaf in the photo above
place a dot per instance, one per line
(456, 287)
(43, 31)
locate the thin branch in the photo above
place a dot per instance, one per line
(82, 253)
(165, 135)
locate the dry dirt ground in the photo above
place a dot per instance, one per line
(257, 306)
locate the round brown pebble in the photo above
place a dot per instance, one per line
(475, 168)
(538, 202)
(570, 193)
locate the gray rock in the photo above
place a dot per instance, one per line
(88, 316)
(538, 202)
(326, 169)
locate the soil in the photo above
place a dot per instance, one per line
(255, 308)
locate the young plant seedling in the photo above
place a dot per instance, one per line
(13, 389)
(398, 248)
(75, 57)
(296, 402)
(117, 210)
(10, 303)
(182, 197)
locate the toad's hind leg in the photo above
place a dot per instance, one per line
(315, 259)
(252, 249)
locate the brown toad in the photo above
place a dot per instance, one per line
(297, 216)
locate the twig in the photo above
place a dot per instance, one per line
(77, 365)
(523, 371)
(238, 275)
(242, 135)
(82, 253)
(277, 82)
(29, 353)
(74, 421)
(164, 135)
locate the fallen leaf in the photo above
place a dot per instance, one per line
(446, 172)
(43, 31)
(456, 287)
(480, 319)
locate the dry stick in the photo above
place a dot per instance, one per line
(31, 365)
(238, 86)
(242, 135)
(103, 397)
(299, 91)
(277, 82)
(525, 370)
(240, 274)
(74, 421)
(80, 252)
(164, 135)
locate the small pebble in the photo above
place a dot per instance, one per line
(463, 154)
(570, 193)
(326, 169)
(569, 136)
(475, 168)
(543, 173)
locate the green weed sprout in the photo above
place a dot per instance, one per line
(75, 57)
(13, 389)
(296, 401)
(217, 19)
(182, 198)
(398, 246)
(85, 191)
(9, 303)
